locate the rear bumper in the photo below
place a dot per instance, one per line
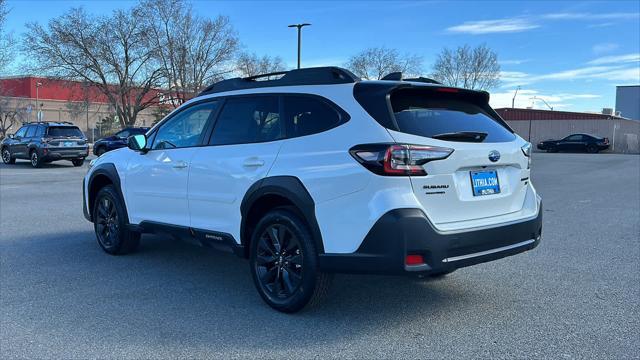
(50, 154)
(403, 232)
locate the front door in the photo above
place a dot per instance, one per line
(15, 146)
(157, 180)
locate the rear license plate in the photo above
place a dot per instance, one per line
(485, 182)
(68, 143)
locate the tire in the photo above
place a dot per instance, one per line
(101, 150)
(77, 162)
(35, 159)
(286, 280)
(592, 149)
(6, 156)
(110, 224)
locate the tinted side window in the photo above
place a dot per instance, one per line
(248, 120)
(39, 131)
(123, 134)
(31, 131)
(185, 128)
(22, 131)
(305, 115)
(574, 138)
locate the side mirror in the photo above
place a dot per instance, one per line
(137, 142)
(10, 136)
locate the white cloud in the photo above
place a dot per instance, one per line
(604, 47)
(616, 59)
(493, 26)
(533, 98)
(514, 62)
(591, 16)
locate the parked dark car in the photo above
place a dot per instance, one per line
(117, 140)
(44, 142)
(576, 143)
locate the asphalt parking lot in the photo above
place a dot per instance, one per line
(576, 296)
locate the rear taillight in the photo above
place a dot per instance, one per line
(606, 141)
(398, 159)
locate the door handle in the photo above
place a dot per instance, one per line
(180, 165)
(253, 162)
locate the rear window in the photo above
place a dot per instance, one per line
(445, 117)
(64, 131)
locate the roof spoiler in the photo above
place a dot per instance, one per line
(397, 76)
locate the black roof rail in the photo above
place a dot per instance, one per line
(397, 76)
(308, 76)
(47, 122)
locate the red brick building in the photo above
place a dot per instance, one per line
(62, 100)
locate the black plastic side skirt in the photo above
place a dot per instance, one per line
(206, 238)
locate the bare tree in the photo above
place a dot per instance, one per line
(6, 39)
(470, 68)
(191, 51)
(109, 52)
(251, 65)
(375, 63)
(12, 112)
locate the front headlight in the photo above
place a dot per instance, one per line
(526, 150)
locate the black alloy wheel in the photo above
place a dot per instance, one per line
(592, 149)
(279, 261)
(284, 262)
(107, 223)
(35, 159)
(110, 224)
(6, 156)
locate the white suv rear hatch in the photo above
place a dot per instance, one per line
(483, 148)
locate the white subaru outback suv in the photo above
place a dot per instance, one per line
(317, 172)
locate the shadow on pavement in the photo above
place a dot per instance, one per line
(172, 292)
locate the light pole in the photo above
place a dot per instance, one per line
(513, 101)
(299, 27)
(38, 84)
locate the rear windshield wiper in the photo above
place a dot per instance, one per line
(464, 136)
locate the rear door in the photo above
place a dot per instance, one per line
(486, 174)
(23, 144)
(241, 150)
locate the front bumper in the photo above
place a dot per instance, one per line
(51, 154)
(403, 232)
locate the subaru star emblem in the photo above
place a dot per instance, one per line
(494, 155)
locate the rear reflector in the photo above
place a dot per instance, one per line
(414, 260)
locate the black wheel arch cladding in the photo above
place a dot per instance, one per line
(289, 188)
(102, 172)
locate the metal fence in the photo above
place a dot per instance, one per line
(624, 135)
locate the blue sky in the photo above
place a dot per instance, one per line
(572, 54)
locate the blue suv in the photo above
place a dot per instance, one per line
(117, 140)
